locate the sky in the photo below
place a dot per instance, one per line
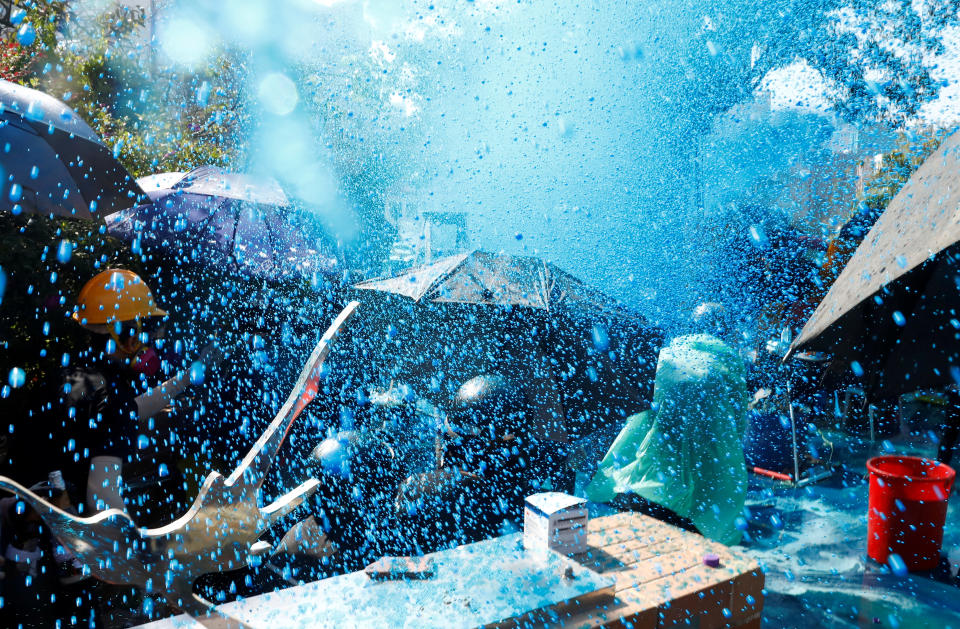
(798, 86)
(554, 130)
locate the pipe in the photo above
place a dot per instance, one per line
(771, 474)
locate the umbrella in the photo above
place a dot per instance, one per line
(893, 314)
(238, 221)
(584, 361)
(53, 163)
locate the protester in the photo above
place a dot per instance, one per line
(41, 582)
(483, 476)
(108, 396)
(359, 474)
(682, 461)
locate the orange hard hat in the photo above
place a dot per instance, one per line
(115, 295)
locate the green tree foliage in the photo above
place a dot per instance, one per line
(898, 165)
(895, 170)
(156, 118)
(873, 56)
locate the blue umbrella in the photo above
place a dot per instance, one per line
(52, 162)
(232, 220)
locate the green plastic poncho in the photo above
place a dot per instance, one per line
(687, 453)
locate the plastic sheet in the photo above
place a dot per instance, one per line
(686, 454)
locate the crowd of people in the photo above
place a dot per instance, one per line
(470, 481)
(385, 489)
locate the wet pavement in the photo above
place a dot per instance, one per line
(812, 545)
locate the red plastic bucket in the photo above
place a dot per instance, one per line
(908, 507)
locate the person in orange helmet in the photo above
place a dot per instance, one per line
(110, 395)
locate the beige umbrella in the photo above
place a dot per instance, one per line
(893, 313)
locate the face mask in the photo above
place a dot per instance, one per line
(147, 362)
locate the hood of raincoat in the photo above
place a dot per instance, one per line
(687, 454)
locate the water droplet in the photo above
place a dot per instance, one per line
(278, 94)
(899, 319)
(601, 339)
(902, 262)
(856, 368)
(26, 35)
(163, 470)
(64, 251)
(897, 566)
(16, 192)
(116, 282)
(16, 378)
(143, 442)
(203, 94)
(34, 172)
(3, 283)
(758, 237)
(198, 371)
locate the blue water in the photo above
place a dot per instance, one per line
(573, 131)
(817, 571)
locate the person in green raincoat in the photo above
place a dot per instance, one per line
(685, 455)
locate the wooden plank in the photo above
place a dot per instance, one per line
(661, 580)
(747, 601)
(699, 600)
(655, 571)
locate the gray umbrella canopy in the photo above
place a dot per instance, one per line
(493, 279)
(52, 162)
(233, 220)
(584, 360)
(895, 307)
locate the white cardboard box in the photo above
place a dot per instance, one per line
(556, 521)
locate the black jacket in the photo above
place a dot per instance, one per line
(98, 414)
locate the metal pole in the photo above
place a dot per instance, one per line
(793, 432)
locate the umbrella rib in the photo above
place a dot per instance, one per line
(547, 284)
(236, 223)
(200, 226)
(443, 276)
(273, 240)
